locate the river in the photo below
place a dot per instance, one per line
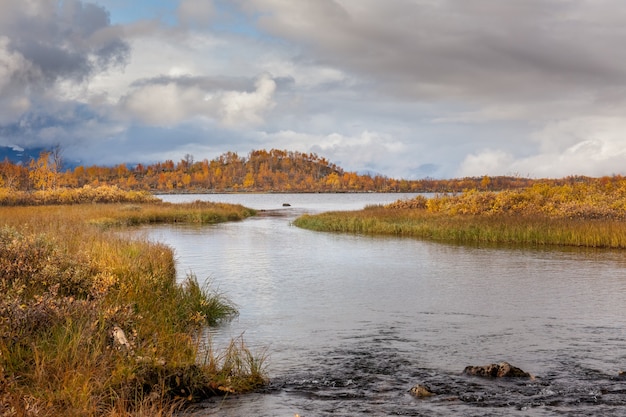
(352, 322)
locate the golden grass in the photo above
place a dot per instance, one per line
(86, 194)
(67, 282)
(586, 215)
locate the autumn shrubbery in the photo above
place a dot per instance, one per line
(591, 200)
(590, 213)
(67, 285)
(86, 194)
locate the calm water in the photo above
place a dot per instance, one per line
(352, 322)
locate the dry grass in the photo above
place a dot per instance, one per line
(83, 195)
(67, 284)
(587, 215)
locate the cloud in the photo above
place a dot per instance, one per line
(62, 40)
(592, 146)
(459, 49)
(49, 50)
(247, 107)
(487, 162)
(196, 12)
(405, 88)
(164, 105)
(356, 152)
(166, 101)
(13, 69)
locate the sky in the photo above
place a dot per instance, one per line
(403, 88)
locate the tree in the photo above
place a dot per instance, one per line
(41, 173)
(485, 182)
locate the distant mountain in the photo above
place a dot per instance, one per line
(19, 155)
(370, 173)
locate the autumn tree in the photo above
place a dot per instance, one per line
(44, 171)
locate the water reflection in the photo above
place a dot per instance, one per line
(353, 321)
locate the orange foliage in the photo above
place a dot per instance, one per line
(260, 171)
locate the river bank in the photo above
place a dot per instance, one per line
(96, 324)
(582, 215)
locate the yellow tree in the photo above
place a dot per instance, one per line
(485, 182)
(41, 172)
(332, 181)
(248, 181)
(44, 171)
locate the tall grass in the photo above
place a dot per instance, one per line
(537, 216)
(86, 194)
(68, 286)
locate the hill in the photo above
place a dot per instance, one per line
(259, 171)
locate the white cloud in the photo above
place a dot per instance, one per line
(353, 153)
(174, 102)
(487, 162)
(246, 108)
(592, 146)
(163, 105)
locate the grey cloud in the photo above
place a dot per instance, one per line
(63, 40)
(208, 83)
(49, 51)
(196, 12)
(460, 48)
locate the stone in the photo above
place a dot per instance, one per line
(497, 370)
(421, 391)
(119, 339)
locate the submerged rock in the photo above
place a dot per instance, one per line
(421, 391)
(497, 370)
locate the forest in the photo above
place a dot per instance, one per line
(259, 171)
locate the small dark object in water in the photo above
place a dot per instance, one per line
(497, 370)
(421, 391)
(286, 205)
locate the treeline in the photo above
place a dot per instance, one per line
(259, 171)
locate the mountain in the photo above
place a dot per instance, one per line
(19, 155)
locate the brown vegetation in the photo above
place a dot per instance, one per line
(259, 171)
(92, 324)
(587, 213)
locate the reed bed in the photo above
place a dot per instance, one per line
(82, 195)
(586, 216)
(92, 324)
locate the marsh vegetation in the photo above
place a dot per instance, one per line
(92, 323)
(586, 214)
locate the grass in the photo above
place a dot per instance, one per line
(584, 216)
(82, 195)
(68, 283)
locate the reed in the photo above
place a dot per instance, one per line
(480, 218)
(86, 194)
(198, 212)
(69, 284)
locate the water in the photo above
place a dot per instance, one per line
(351, 323)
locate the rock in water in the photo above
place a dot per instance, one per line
(497, 370)
(421, 391)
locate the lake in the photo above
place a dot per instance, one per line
(352, 322)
